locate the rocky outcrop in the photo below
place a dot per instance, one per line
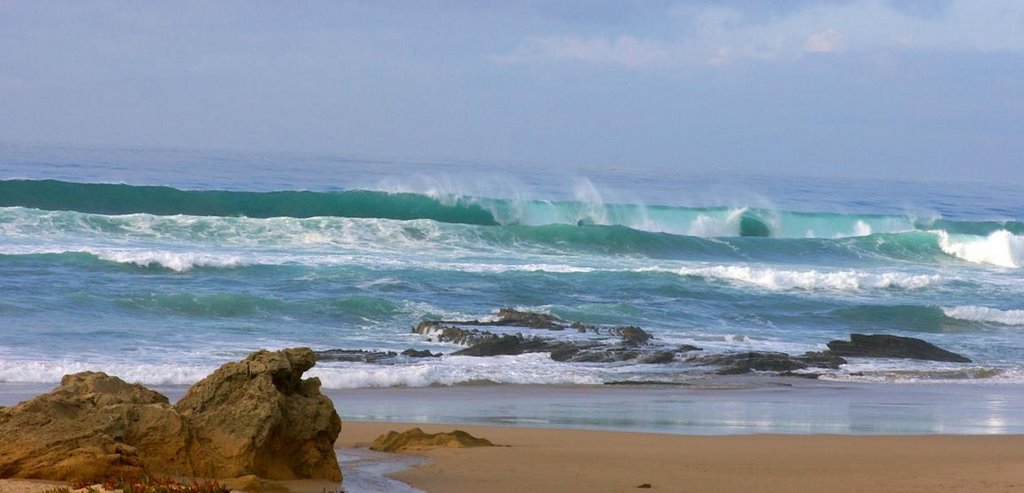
(890, 346)
(507, 334)
(257, 416)
(416, 439)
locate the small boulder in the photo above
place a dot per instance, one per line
(416, 439)
(631, 335)
(413, 353)
(890, 346)
(822, 359)
(450, 334)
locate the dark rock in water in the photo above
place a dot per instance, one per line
(354, 355)
(822, 359)
(451, 334)
(604, 355)
(506, 344)
(565, 351)
(416, 439)
(510, 316)
(631, 336)
(890, 346)
(601, 350)
(810, 376)
(412, 353)
(685, 348)
(782, 363)
(739, 363)
(363, 356)
(657, 358)
(751, 225)
(643, 382)
(576, 353)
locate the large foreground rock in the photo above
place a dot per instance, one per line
(889, 346)
(257, 416)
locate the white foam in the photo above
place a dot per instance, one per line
(809, 280)
(176, 261)
(861, 229)
(710, 226)
(1000, 248)
(22, 371)
(902, 371)
(985, 314)
(533, 368)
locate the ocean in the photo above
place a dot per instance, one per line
(159, 265)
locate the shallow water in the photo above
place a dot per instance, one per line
(715, 406)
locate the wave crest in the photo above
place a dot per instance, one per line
(810, 280)
(1001, 248)
(985, 314)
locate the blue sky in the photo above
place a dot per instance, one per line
(863, 87)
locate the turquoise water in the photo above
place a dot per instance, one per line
(159, 265)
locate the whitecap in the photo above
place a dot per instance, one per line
(985, 314)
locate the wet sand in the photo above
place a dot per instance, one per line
(577, 460)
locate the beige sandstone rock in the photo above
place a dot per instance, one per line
(416, 439)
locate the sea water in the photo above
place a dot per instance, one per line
(159, 265)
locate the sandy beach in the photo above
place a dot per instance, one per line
(577, 460)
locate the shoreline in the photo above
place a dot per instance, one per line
(545, 459)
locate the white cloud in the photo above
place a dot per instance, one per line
(825, 41)
(719, 36)
(622, 50)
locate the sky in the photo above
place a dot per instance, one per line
(899, 88)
